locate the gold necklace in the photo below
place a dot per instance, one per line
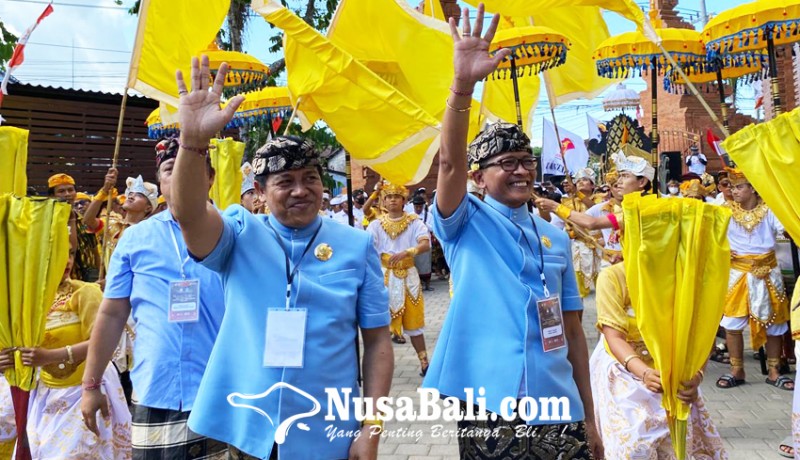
(394, 228)
(62, 297)
(749, 220)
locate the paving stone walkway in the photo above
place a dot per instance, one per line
(752, 419)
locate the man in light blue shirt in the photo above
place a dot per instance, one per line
(170, 356)
(513, 332)
(298, 289)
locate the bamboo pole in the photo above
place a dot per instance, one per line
(294, 112)
(109, 200)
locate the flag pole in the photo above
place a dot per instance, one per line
(291, 118)
(551, 101)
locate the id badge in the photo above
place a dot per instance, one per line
(184, 301)
(286, 337)
(551, 324)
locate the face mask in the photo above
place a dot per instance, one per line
(674, 190)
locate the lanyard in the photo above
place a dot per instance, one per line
(290, 273)
(541, 253)
(178, 251)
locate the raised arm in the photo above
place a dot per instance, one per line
(472, 63)
(579, 218)
(93, 210)
(200, 118)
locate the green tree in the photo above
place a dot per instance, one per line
(7, 43)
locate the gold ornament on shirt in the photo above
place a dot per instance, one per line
(323, 252)
(395, 227)
(749, 220)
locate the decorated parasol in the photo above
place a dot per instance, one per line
(262, 105)
(736, 35)
(533, 49)
(246, 72)
(714, 75)
(156, 129)
(621, 98)
(633, 53)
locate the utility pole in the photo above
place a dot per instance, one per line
(703, 13)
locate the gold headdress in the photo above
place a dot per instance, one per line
(694, 189)
(392, 189)
(736, 176)
(611, 176)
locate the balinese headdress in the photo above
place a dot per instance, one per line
(611, 176)
(248, 178)
(585, 173)
(694, 189)
(736, 176)
(392, 189)
(284, 153)
(138, 185)
(166, 149)
(633, 164)
(60, 179)
(498, 138)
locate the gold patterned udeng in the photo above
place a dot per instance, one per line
(323, 252)
(749, 220)
(394, 228)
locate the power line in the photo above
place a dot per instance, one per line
(76, 5)
(78, 47)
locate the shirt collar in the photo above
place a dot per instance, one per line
(518, 215)
(291, 232)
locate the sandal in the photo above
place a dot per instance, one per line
(398, 339)
(786, 447)
(781, 382)
(729, 381)
(720, 356)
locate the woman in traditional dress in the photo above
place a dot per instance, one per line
(55, 423)
(627, 389)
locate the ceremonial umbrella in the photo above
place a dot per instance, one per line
(246, 73)
(715, 73)
(739, 34)
(633, 53)
(261, 105)
(156, 129)
(533, 48)
(621, 98)
(677, 305)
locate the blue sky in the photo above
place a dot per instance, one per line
(88, 47)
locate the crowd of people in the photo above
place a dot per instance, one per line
(171, 342)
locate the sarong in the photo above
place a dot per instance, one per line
(56, 428)
(8, 426)
(162, 434)
(755, 290)
(515, 440)
(406, 304)
(632, 422)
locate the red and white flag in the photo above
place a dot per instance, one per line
(571, 146)
(716, 144)
(19, 51)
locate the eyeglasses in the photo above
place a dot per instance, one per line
(511, 164)
(724, 184)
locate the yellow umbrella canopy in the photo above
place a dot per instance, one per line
(742, 31)
(246, 72)
(632, 53)
(261, 105)
(744, 74)
(534, 48)
(156, 129)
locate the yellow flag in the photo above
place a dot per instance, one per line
(376, 123)
(169, 34)
(13, 160)
(34, 246)
(678, 305)
(626, 8)
(226, 159)
(498, 100)
(433, 8)
(577, 78)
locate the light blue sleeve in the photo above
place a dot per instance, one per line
(373, 298)
(232, 225)
(570, 297)
(448, 229)
(119, 279)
